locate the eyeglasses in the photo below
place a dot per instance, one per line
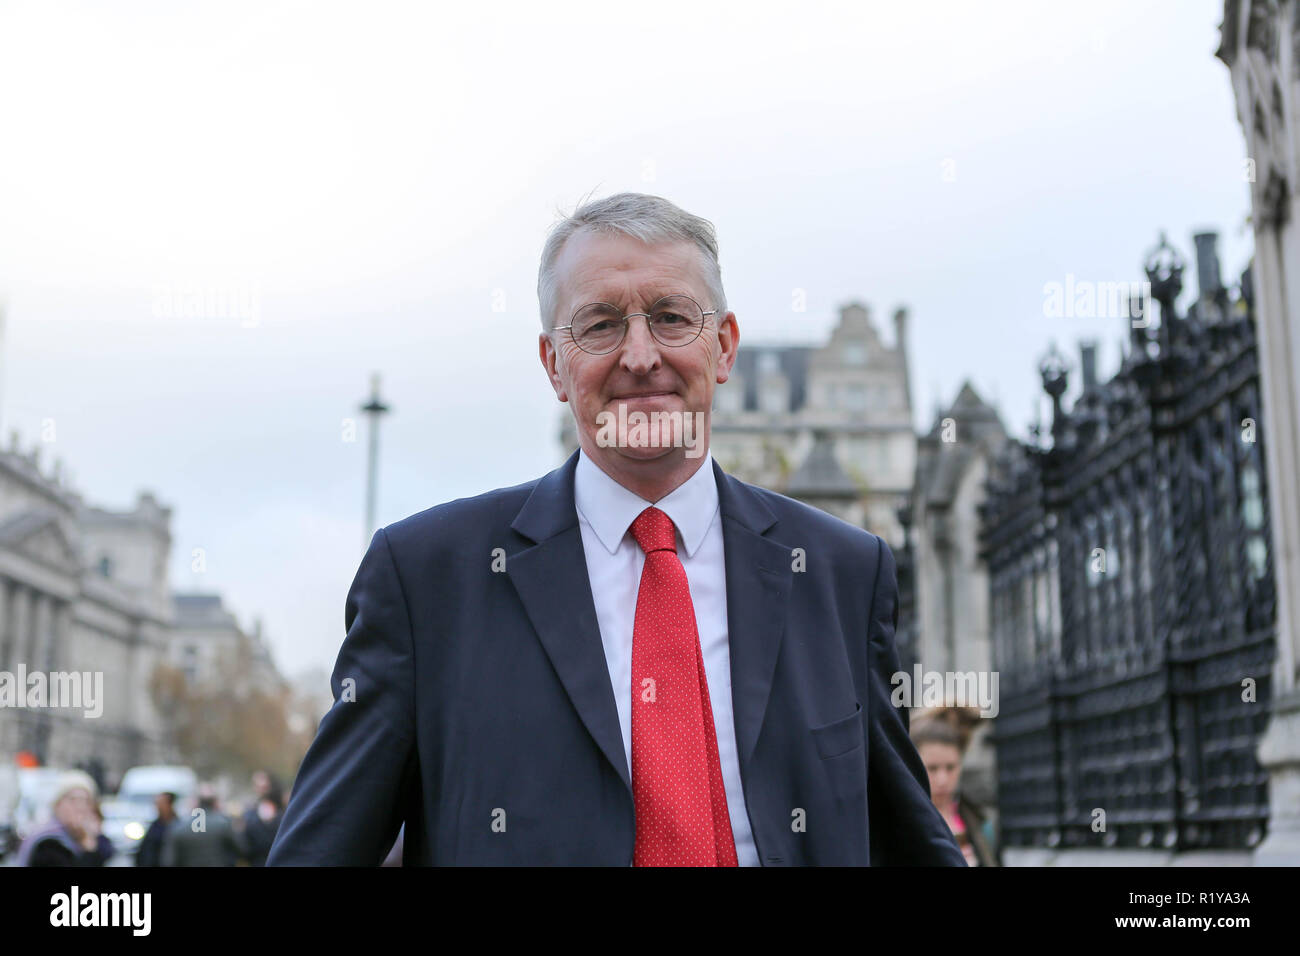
(599, 328)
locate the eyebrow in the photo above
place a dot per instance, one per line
(656, 293)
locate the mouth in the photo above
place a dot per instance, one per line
(632, 395)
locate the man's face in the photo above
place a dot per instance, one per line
(641, 373)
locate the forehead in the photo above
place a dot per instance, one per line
(617, 268)
(938, 750)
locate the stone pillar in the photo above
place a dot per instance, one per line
(20, 630)
(1259, 46)
(6, 630)
(57, 653)
(39, 633)
(20, 621)
(8, 662)
(48, 718)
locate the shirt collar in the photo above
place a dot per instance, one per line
(610, 508)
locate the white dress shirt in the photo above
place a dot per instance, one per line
(606, 511)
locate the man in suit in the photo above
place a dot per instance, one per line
(636, 659)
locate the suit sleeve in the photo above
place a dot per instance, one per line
(349, 797)
(906, 829)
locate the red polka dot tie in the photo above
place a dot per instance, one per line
(681, 804)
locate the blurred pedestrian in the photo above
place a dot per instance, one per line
(942, 745)
(262, 820)
(208, 838)
(74, 836)
(151, 847)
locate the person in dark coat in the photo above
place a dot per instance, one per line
(151, 847)
(207, 839)
(261, 822)
(74, 837)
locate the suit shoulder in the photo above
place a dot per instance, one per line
(483, 513)
(792, 514)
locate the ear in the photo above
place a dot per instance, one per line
(546, 351)
(728, 345)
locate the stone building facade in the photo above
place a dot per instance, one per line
(82, 589)
(85, 590)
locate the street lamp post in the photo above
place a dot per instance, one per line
(373, 409)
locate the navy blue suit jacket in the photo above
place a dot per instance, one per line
(475, 704)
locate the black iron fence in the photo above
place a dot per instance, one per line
(1132, 602)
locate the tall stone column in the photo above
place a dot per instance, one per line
(8, 662)
(45, 720)
(39, 634)
(56, 656)
(6, 629)
(20, 622)
(1259, 45)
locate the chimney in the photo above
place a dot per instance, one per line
(900, 329)
(1088, 362)
(1207, 264)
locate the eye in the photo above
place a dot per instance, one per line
(596, 319)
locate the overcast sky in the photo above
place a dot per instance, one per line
(367, 187)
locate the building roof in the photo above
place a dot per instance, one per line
(194, 609)
(820, 475)
(942, 464)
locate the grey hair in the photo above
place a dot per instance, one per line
(644, 217)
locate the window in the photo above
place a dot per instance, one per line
(773, 397)
(190, 662)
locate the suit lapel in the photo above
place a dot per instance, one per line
(551, 580)
(759, 577)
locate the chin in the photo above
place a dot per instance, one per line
(645, 454)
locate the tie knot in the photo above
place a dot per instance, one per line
(653, 530)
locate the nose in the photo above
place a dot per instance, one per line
(640, 352)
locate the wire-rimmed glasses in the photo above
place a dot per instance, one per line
(599, 328)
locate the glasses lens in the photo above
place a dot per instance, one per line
(677, 320)
(598, 327)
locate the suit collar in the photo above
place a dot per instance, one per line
(610, 508)
(551, 509)
(551, 580)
